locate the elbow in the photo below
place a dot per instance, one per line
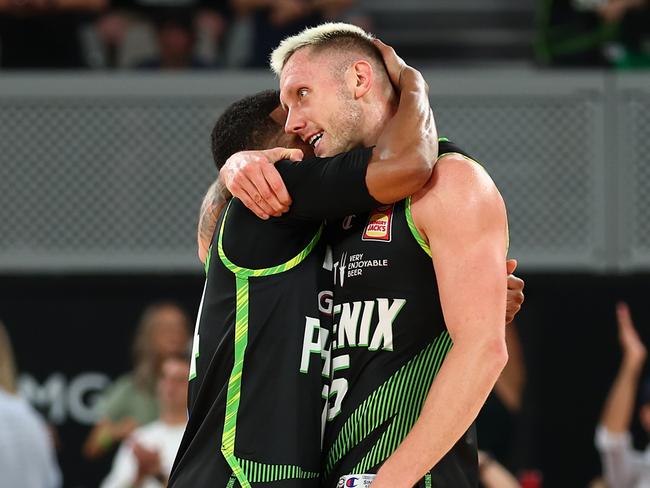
(495, 354)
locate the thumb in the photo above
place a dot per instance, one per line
(511, 266)
(279, 153)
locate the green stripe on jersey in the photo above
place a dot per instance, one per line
(396, 403)
(207, 261)
(266, 473)
(247, 471)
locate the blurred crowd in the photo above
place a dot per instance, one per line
(142, 415)
(155, 34)
(594, 33)
(218, 34)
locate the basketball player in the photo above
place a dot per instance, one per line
(402, 400)
(255, 382)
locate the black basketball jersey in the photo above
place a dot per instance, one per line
(388, 342)
(255, 397)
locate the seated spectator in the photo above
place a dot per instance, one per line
(273, 20)
(36, 34)
(624, 467)
(27, 458)
(134, 30)
(145, 459)
(176, 41)
(593, 32)
(131, 400)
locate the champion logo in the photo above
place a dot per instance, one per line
(347, 222)
(380, 224)
(356, 481)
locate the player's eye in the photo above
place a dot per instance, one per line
(302, 92)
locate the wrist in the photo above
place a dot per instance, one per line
(632, 364)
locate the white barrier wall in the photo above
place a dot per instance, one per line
(106, 172)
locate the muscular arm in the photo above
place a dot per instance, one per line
(408, 146)
(464, 220)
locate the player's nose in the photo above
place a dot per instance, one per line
(295, 122)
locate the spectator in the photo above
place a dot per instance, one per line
(623, 466)
(593, 32)
(135, 32)
(145, 459)
(37, 34)
(176, 41)
(273, 20)
(27, 458)
(131, 400)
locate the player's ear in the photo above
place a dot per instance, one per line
(363, 76)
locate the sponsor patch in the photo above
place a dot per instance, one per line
(380, 225)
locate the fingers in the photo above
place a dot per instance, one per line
(515, 297)
(247, 192)
(279, 153)
(623, 315)
(265, 197)
(394, 64)
(278, 188)
(511, 266)
(251, 177)
(515, 283)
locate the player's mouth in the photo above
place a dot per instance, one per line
(315, 139)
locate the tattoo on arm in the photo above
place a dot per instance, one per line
(217, 196)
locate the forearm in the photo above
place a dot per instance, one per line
(494, 475)
(454, 400)
(213, 202)
(619, 406)
(407, 149)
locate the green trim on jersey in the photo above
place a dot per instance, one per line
(207, 261)
(244, 470)
(266, 473)
(396, 404)
(280, 268)
(409, 216)
(414, 230)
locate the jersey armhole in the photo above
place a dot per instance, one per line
(409, 216)
(419, 238)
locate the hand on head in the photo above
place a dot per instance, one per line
(396, 67)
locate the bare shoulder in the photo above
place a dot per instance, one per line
(459, 188)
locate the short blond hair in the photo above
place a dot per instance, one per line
(319, 36)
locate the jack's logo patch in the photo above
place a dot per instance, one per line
(380, 225)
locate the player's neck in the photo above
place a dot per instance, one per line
(376, 119)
